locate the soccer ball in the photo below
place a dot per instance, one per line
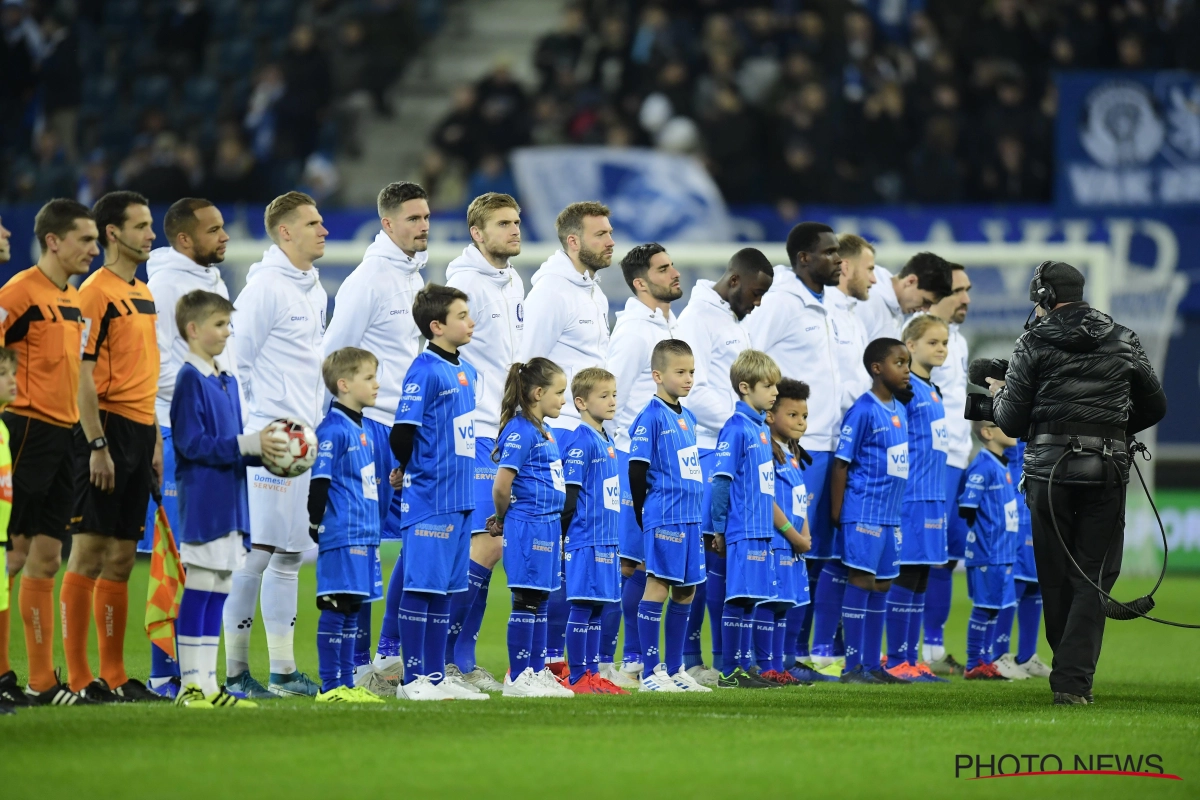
(301, 448)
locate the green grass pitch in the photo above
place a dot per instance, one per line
(821, 741)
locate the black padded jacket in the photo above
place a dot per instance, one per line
(1073, 372)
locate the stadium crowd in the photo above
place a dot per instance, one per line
(237, 100)
(831, 101)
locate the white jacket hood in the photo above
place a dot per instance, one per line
(171, 275)
(715, 335)
(566, 321)
(497, 301)
(637, 330)
(383, 247)
(280, 321)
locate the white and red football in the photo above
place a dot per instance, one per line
(301, 448)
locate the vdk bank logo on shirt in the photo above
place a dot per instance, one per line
(897, 460)
(464, 435)
(612, 493)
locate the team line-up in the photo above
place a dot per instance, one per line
(789, 453)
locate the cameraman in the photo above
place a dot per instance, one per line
(1077, 386)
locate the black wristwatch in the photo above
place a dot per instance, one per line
(98, 443)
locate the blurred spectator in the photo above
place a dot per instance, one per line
(1009, 176)
(234, 173)
(308, 91)
(94, 180)
(182, 36)
(560, 50)
(492, 175)
(49, 174)
(351, 82)
(261, 119)
(935, 172)
(62, 81)
(169, 170)
(502, 110)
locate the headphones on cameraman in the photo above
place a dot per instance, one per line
(1041, 292)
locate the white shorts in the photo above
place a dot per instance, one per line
(279, 510)
(226, 554)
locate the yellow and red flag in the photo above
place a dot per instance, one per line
(164, 591)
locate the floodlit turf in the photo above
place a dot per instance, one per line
(822, 741)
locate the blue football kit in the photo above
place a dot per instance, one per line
(533, 524)
(1025, 567)
(874, 442)
(665, 438)
(923, 524)
(438, 495)
(744, 456)
(791, 495)
(593, 570)
(992, 539)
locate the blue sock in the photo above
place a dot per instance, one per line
(436, 630)
(1004, 626)
(899, 616)
(714, 598)
(793, 626)
(1029, 620)
(578, 624)
(414, 619)
(349, 639)
(610, 628)
(746, 648)
(520, 641)
(479, 579)
(213, 621)
(764, 636)
(362, 636)
(537, 659)
(914, 628)
(595, 634)
(977, 627)
(649, 624)
(556, 616)
(631, 595)
(460, 604)
(827, 607)
(937, 605)
(873, 631)
(813, 568)
(778, 646)
(989, 643)
(189, 629)
(389, 632)
(679, 617)
(692, 656)
(732, 616)
(329, 648)
(854, 621)
(161, 664)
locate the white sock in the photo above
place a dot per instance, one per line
(280, 587)
(933, 652)
(239, 611)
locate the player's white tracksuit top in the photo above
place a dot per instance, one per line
(172, 275)
(881, 313)
(715, 335)
(794, 328)
(373, 310)
(851, 337)
(280, 320)
(637, 330)
(496, 298)
(566, 321)
(951, 378)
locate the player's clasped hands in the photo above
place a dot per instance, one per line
(495, 525)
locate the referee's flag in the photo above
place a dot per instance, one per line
(165, 588)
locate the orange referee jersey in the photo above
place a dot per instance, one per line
(120, 337)
(44, 324)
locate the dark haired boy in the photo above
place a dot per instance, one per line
(870, 470)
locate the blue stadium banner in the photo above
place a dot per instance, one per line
(1128, 140)
(653, 196)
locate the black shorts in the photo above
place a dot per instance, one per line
(121, 514)
(43, 477)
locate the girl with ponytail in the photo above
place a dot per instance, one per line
(529, 493)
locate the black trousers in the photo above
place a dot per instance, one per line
(1091, 519)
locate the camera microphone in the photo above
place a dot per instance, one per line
(983, 368)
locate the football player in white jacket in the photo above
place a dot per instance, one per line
(712, 325)
(951, 378)
(566, 321)
(923, 281)
(196, 240)
(280, 320)
(795, 327)
(645, 322)
(497, 299)
(373, 311)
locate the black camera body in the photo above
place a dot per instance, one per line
(979, 405)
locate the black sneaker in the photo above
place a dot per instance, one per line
(57, 695)
(1065, 699)
(740, 679)
(134, 691)
(98, 692)
(883, 676)
(859, 675)
(756, 672)
(11, 694)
